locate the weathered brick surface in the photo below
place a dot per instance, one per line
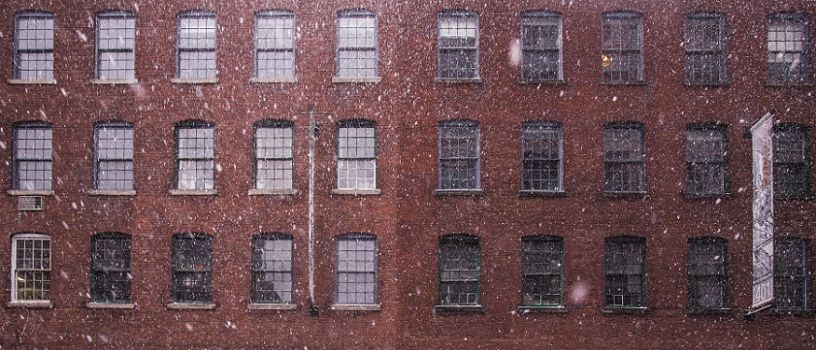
(407, 218)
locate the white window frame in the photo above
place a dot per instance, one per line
(274, 14)
(121, 15)
(719, 51)
(338, 76)
(805, 75)
(16, 160)
(48, 73)
(608, 53)
(542, 16)
(21, 237)
(97, 160)
(275, 125)
(212, 76)
(454, 124)
(463, 15)
(555, 128)
(356, 124)
(349, 238)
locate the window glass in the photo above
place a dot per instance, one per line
(459, 265)
(34, 46)
(356, 44)
(196, 153)
(624, 158)
(356, 155)
(624, 262)
(273, 155)
(542, 271)
(196, 45)
(192, 268)
(541, 46)
(274, 45)
(788, 49)
(459, 155)
(706, 160)
(32, 156)
(114, 156)
(705, 49)
(31, 267)
(458, 45)
(356, 269)
(110, 268)
(622, 47)
(707, 273)
(541, 146)
(116, 43)
(272, 269)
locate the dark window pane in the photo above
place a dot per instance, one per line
(459, 264)
(624, 261)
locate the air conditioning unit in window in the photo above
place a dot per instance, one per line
(30, 203)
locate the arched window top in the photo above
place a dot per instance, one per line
(115, 13)
(196, 13)
(705, 14)
(111, 234)
(195, 123)
(274, 13)
(458, 12)
(33, 124)
(272, 235)
(459, 123)
(623, 124)
(540, 13)
(789, 126)
(795, 15)
(541, 124)
(357, 236)
(28, 235)
(622, 14)
(356, 123)
(708, 239)
(192, 235)
(542, 238)
(708, 125)
(113, 123)
(357, 11)
(459, 238)
(34, 13)
(273, 123)
(626, 239)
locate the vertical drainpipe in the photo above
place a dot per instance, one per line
(313, 310)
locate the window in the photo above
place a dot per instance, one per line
(459, 270)
(110, 272)
(34, 46)
(31, 267)
(541, 149)
(32, 156)
(356, 44)
(273, 155)
(791, 273)
(275, 45)
(192, 268)
(788, 49)
(458, 45)
(356, 155)
(706, 151)
(707, 273)
(272, 269)
(195, 155)
(115, 46)
(541, 46)
(791, 160)
(114, 156)
(356, 269)
(625, 264)
(705, 49)
(542, 279)
(622, 47)
(624, 158)
(459, 155)
(196, 46)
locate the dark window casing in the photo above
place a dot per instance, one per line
(459, 270)
(625, 261)
(542, 271)
(192, 268)
(110, 268)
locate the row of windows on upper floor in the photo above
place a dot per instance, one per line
(357, 55)
(460, 272)
(459, 158)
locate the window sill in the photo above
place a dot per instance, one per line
(356, 307)
(194, 81)
(528, 309)
(357, 192)
(782, 85)
(191, 306)
(462, 192)
(30, 192)
(537, 193)
(628, 83)
(690, 195)
(114, 82)
(724, 84)
(31, 82)
(272, 192)
(266, 306)
(364, 80)
(476, 80)
(95, 305)
(715, 311)
(289, 80)
(805, 312)
(633, 194)
(625, 310)
(31, 304)
(794, 197)
(553, 82)
(459, 308)
(112, 192)
(193, 192)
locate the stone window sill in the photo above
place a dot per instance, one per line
(528, 309)
(690, 195)
(543, 82)
(624, 309)
(282, 80)
(265, 306)
(30, 192)
(193, 192)
(713, 311)
(95, 305)
(272, 192)
(458, 192)
(722, 84)
(476, 80)
(31, 304)
(191, 306)
(194, 81)
(783, 85)
(459, 308)
(112, 192)
(803, 312)
(364, 80)
(534, 193)
(31, 82)
(626, 194)
(356, 307)
(626, 83)
(357, 192)
(114, 82)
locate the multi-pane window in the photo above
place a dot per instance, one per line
(541, 46)
(791, 273)
(32, 156)
(356, 44)
(34, 46)
(542, 280)
(459, 270)
(624, 158)
(622, 47)
(458, 45)
(196, 46)
(356, 155)
(541, 150)
(192, 268)
(273, 155)
(195, 151)
(272, 269)
(788, 49)
(110, 268)
(275, 45)
(706, 151)
(791, 160)
(31, 267)
(624, 267)
(115, 46)
(113, 143)
(459, 155)
(705, 49)
(356, 269)
(707, 273)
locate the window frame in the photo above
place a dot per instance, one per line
(608, 52)
(262, 237)
(722, 245)
(559, 131)
(712, 127)
(643, 273)
(188, 14)
(542, 14)
(356, 13)
(462, 241)
(272, 124)
(721, 51)
(543, 238)
(356, 123)
(806, 163)
(807, 274)
(459, 123)
(113, 124)
(16, 51)
(192, 124)
(274, 13)
(174, 281)
(626, 125)
(36, 124)
(119, 14)
(807, 62)
(477, 66)
(13, 267)
(357, 236)
(95, 297)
